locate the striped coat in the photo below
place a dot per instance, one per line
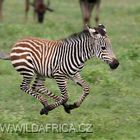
(47, 58)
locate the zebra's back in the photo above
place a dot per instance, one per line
(35, 55)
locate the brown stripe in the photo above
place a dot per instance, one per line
(18, 57)
(22, 64)
(27, 46)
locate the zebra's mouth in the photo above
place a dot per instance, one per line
(114, 64)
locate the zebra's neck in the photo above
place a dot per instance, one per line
(81, 43)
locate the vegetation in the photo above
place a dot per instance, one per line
(113, 106)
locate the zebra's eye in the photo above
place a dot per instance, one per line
(103, 48)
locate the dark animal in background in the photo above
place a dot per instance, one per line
(87, 7)
(1, 13)
(39, 9)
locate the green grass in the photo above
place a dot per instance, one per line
(113, 106)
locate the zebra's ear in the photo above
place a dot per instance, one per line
(92, 31)
(101, 29)
(87, 27)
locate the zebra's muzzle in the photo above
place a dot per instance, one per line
(114, 64)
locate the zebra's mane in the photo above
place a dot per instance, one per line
(77, 35)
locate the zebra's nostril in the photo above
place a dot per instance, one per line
(114, 64)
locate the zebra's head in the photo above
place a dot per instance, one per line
(102, 46)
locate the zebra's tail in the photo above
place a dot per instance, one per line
(4, 56)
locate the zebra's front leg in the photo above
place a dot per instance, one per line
(62, 83)
(77, 78)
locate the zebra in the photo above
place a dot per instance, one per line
(61, 60)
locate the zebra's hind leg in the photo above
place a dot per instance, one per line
(39, 87)
(77, 78)
(25, 86)
(62, 83)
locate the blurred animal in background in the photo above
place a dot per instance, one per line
(1, 13)
(87, 7)
(40, 9)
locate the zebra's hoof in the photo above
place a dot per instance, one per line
(69, 107)
(67, 110)
(44, 111)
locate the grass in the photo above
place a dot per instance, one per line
(113, 106)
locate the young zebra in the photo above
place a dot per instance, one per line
(61, 60)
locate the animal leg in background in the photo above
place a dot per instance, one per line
(1, 12)
(87, 8)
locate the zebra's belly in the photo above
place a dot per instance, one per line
(70, 71)
(46, 70)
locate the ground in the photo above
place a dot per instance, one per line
(113, 106)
